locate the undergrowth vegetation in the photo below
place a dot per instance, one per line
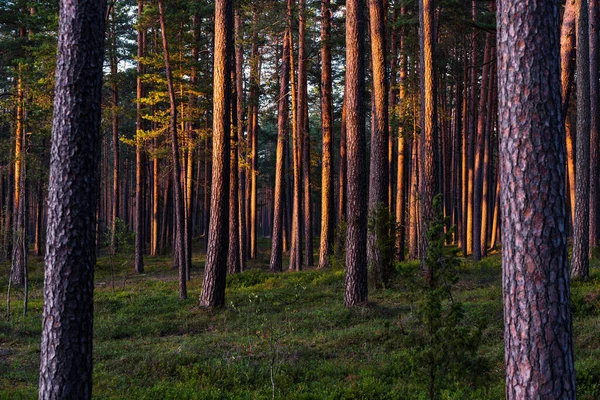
(288, 336)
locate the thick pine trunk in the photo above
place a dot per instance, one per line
(213, 289)
(537, 312)
(66, 349)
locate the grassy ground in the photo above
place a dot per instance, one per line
(284, 336)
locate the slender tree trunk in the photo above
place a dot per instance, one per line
(427, 184)
(567, 66)
(480, 149)
(18, 258)
(356, 289)
(581, 236)
(327, 201)
(282, 122)
(139, 151)
(594, 125)
(470, 157)
(296, 249)
(343, 175)
(239, 83)
(537, 313)
(401, 194)
(114, 86)
(67, 333)
(302, 120)
(252, 133)
(178, 236)
(378, 256)
(213, 289)
(234, 254)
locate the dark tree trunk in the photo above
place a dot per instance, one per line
(537, 312)
(66, 349)
(356, 290)
(213, 289)
(594, 125)
(581, 264)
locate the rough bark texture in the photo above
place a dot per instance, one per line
(282, 127)
(537, 313)
(581, 261)
(377, 255)
(327, 206)
(402, 172)
(356, 291)
(427, 184)
(66, 349)
(213, 290)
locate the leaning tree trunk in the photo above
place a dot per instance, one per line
(179, 248)
(356, 290)
(67, 333)
(537, 314)
(213, 290)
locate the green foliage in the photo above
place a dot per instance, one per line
(446, 343)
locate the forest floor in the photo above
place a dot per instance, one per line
(287, 336)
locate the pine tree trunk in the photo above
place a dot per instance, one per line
(239, 83)
(427, 181)
(282, 123)
(581, 236)
(296, 248)
(378, 258)
(356, 290)
(213, 289)
(327, 202)
(66, 349)
(567, 66)
(594, 125)
(302, 120)
(537, 313)
(178, 235)
(139, 151)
